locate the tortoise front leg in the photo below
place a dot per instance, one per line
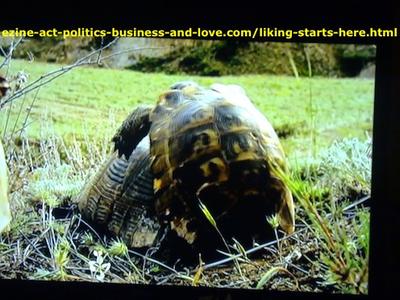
(135, 127)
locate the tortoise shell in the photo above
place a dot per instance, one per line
(120, 197)
(196, 148)
(212, 146)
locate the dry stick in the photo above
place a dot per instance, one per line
(31, 243)
(252, 250)
(311, 106)
(8, 56)
(55, 73)
(25, 124)
(358, 202)
(7, 120)
(18, 116)
(29, 112)
(292, 63)
(44, 79)
(101, 51)
(20, 130)
(121, 268)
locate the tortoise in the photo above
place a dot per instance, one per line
(208, 151)
(120, 197)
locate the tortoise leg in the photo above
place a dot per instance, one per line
(135, 127)
(98, 195)
(134, 217)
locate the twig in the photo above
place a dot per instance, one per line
(358, 202)
(29, 112)
(8, 56)
(86, 60)
(101, 51)
(252, 250)
(46, 78)
(30, 243)
(18, 116)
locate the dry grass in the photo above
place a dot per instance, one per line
(48, 239)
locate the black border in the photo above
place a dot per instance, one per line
(384, 263)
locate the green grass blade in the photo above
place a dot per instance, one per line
(268, 275)
(207, 214)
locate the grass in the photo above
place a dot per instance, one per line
(76, 103)
(343, 238)
(71, 124)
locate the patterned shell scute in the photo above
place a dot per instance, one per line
(213, 145)
(120, 197)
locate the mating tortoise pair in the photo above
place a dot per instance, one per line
(197, 151)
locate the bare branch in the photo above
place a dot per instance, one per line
(8, 56)
(46, 78)
(94, 57)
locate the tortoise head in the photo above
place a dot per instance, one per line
(177, 94)
(181, 85)
(234, 94)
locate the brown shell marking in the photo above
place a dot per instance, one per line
(218, 139)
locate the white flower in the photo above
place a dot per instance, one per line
(97, 268)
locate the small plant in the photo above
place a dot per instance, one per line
(274, 223)
(61, 258)
(87, 239)
(346, 166)
(53, 183)
(118, 248)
